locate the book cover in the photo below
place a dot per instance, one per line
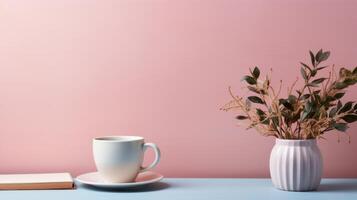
(36, 181)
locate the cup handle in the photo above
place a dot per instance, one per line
(157, 156)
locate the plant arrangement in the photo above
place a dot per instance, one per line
(308, 112)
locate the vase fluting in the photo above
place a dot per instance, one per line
(296, 165)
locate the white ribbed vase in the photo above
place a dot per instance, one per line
(296, 165)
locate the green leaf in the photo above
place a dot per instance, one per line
(303, 73)
(304, 114)
(338, 95)
(262, 115)
(260, 112)
(292, 99)
(313, 72)
(312, 58)
(305, 96)
(318, 56)
(253, 89)
(256, 99)
(265, 121)
(308, 109)
(256, 72)
(316, 92)
(317, 98)
(329, 99)
(350, 118)
(340, 126)
(340, 85)
(312, 85)
(332, 112)
(346, 107)
(324, 56)
(250, 80)
(308, 106)
(241, 117)
(318, 81)
(349, 81)
(306, 66)
(286, 104)
(339, 105)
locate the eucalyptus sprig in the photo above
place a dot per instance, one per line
(306, 113)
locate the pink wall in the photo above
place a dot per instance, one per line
(72, 70)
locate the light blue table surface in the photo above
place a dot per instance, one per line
(194, 188)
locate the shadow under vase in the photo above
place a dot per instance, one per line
(336, 185)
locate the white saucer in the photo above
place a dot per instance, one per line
(94, 179)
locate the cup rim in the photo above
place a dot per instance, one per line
(118, 138)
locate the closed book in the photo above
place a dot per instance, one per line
(36, 181)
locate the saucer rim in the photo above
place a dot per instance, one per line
(130, 184)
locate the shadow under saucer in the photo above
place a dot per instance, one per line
(142, 188)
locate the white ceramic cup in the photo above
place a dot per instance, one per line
(119, 158)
